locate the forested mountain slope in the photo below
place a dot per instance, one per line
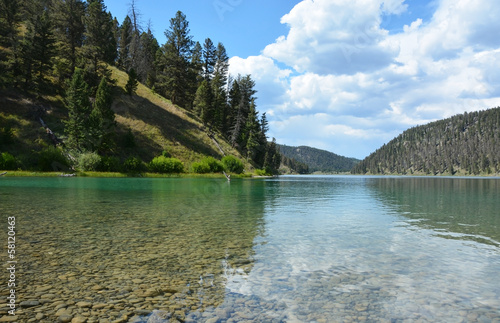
(319, 160)
(465, 144)
(74, 66)
(146, 125)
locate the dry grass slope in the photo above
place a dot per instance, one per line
(158, 125)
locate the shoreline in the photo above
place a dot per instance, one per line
(215, 175)
(119, 175)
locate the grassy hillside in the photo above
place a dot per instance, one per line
(156, 126)
(319, 160)
(466, 144)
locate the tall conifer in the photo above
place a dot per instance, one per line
(79, 109)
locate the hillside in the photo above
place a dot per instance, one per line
(61, 64)
(147, 125)
(319, 160)
(465, 144)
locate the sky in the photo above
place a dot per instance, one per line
(348, 76)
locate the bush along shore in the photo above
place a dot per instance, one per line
(53, 162)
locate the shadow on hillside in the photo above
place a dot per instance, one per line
(173, 128)
(21, 113)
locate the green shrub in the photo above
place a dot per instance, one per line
(8, 162)
(88, 162)
(207, 165)
(232, 164)
(162, 164)
(133, 165)
(109, 164)
(200, 168)
(262, 172)
(52, 159)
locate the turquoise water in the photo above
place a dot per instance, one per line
(289, 249)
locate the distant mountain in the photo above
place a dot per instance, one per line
(465, 144)
(319, 160)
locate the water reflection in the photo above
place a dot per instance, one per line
(293, 249)
(341, 249)
(455, 208)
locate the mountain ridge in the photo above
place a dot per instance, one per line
(319, 160)
(464, 144)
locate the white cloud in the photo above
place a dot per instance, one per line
(340, 36)
(271, 81)
(355, 86)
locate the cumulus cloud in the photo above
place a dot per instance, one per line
(352, 85)
(341, 36)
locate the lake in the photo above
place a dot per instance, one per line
(287, 249)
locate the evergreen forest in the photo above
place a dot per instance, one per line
(465, 144)
(309, 160)
(72, 63)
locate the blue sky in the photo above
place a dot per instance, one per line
(244, 27)
(349, 75)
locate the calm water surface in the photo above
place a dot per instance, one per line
(291, 249)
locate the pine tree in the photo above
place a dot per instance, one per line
(79, 109)
(272, 158)
(100, 42)
(219, 85)
(132, 83)
(264, 124)
(197, 63)
(10, 19)
(103, 118)
(146, 69)
(208, 59)
(175, 63)
(203, 102)
(68, 30)
(44, 45)
(124, 43)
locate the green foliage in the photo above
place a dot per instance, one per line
(203, 102)
(68, 30)
(8, 162)
(99, 41)
(272, 159)
(109, 164)
(102, 119)
(207, 165)
(262, 172)
(52, 159)
(6, 136)
(37, 45)
(294, 166)
(132, 83)
(162, 164)
(88, 162)
(133, 165)
(67, 46)
(125, 40)
(200, 168)
(79, 108)
(175, 74)
(232, 164)
(466, 144)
